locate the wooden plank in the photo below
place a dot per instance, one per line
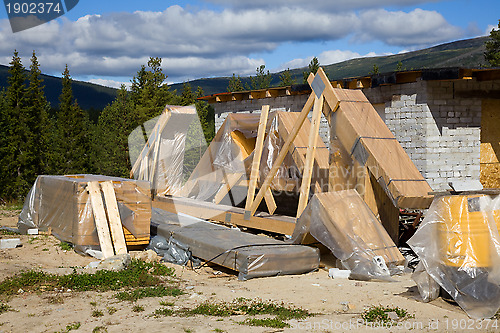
(226, 214)
(305, 185)
(100, 219)
(283, 152)
(115, 223)
(329, 94)
(257, 155)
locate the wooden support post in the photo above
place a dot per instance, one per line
(100, 219)
(257, 155)
(281, 156)
(115, 223)
(305, 185)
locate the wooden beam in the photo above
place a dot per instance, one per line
(100, 219)
(257, 155)
(283, 152)
(226, 214)
(329, 94)
(305, 185)
(115, 223)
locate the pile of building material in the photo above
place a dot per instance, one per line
(250, 255)
(459, 247)
(72, 209)
(282, 152)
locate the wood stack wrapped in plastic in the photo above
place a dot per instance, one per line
(90, 211)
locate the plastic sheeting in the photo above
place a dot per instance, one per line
(346, 226)
(251, 255)
(170, 149)
(459, 247)
(229, 157)
(63, 204)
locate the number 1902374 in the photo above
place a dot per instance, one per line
(33, 8)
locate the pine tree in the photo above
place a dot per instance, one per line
(149, 92)
(187, 95)
(492, 54)
(235, 84)
(262, 79)
(74, 131)
(286, 79)
(12, 182)
(37, 125)
(312, 68)
(115, 123)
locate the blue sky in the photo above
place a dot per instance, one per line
(106, 42)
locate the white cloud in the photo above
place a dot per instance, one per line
(337, 5)
(328, 58)
(418, 27)
(211, 43)
(489, 28)
(110, 83)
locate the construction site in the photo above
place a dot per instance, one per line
(335, 197)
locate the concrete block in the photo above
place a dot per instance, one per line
(10, 243)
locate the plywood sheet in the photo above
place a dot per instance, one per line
(490, 144)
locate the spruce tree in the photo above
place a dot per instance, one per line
(235, 84)
(74, 131)
(286, 79)
(115, 123)
(312, 68)
(149, 91)
(37, 125)
(492, 54)
(12, 157)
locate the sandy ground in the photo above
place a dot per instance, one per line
(337, 302)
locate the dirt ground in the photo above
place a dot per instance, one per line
(338, 303)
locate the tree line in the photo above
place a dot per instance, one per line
(37, 138)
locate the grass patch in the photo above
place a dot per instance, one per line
(97, 313)
(138, 308)
(111, 310)
(100, 329)
(248, 307)
(156, 291)
(138, 274)
(380, 314)
(4, 308)
(8, 232)
(265, 322)
(71, 327)
(163, 312)
(65, 246)
(165, 303)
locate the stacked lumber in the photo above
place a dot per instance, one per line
(73, 206)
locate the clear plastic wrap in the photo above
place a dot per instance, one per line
(459, 246)
(62, 204)
(346, 226)
(162, 160)
(251, 255)
(229, 157)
